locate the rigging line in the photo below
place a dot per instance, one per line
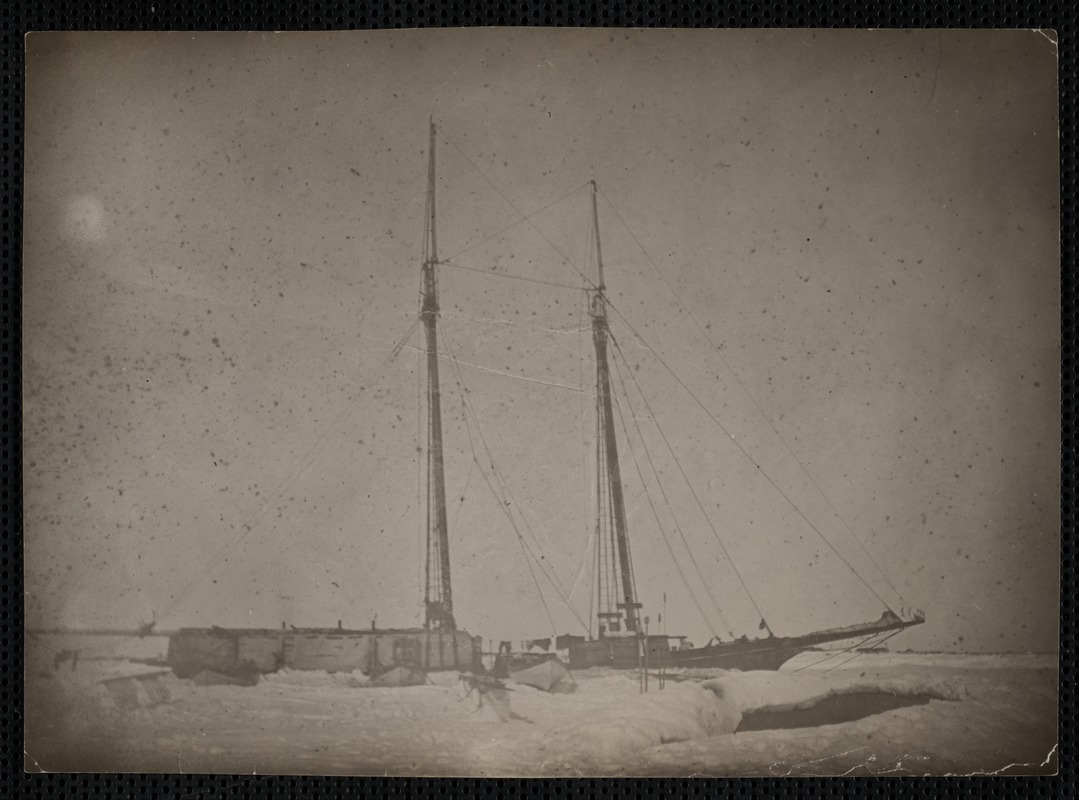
(495, 321)
(464, 491)
(632, 589)
(434, 508)
(648, 496)
(420, 460)
(302, 466)
(662, 489)
(663, 536)
(663, 493)
(614, 574)
(607, 517)
(431, 512)
(543, 600)
(685, 477)
(603, 599)
(556, 582)
(750, 458)
(402, 341)
(529, 557)
(858, 653)
(423, 520)
(837, 653)
(499, 372)
(601, 561)
(593, 589)
(628, 541)
(243, 533)
(584, 466)
(515, 208)
(525, 547)
(524, 217)
(752, 399)
(502, 501)
(605, 511)
(581, 421)
(495, 274)
(581, 566)
(505, 484)
(506, 500)
(583, 411)
(590, 530)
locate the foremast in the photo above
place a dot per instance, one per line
(616, 590)
(438, 594)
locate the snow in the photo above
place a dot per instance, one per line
(985, 714)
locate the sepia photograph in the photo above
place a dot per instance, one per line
(507, 402)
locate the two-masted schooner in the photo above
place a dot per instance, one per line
(620, 639)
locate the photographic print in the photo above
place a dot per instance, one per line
(506, 402)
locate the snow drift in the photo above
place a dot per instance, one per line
(1001, 716)
(617, 722)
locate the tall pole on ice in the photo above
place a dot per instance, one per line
(600, 335)
(438, 595)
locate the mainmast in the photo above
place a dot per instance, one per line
(616, 577)
(438, 597)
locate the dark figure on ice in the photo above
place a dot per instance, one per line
(496, 694)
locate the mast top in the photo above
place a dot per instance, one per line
(430, 240)
(600, 284)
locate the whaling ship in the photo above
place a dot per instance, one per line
(620, 639)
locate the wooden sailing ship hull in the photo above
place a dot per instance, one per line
(243, 651)
(760, 654)
(617, 652)
(756, 654)
(741, 654)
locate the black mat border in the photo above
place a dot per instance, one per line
(19, 17)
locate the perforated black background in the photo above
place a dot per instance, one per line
(21, 17)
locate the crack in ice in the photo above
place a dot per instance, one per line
(813, 761)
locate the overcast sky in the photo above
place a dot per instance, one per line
(856, 239)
